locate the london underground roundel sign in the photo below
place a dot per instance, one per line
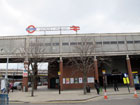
(31, 29)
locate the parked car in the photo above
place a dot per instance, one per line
(17, 85)
(45, 83)
(39, 83)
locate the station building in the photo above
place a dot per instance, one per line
(120, 50)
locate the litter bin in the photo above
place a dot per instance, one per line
(4, 99)
(88, 89)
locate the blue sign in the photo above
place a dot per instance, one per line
(31, 29)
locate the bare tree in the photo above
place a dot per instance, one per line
(35, 49)
(84, 63)
(34, 52)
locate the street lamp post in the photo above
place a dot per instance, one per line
(6, 73)
(59, 73)
(6, 76)
(104, 79)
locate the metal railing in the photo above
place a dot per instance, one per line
(4, 99)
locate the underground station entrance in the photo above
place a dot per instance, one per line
(72, 79)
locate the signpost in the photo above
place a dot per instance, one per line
(25, 76)
(103, 71)
(32, 28)
(25, 73)
(59, 73)
(104, 79)
(75, 28)
(6, 76)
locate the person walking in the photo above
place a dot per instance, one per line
(116, 85)
(96, 84)
(12, 86)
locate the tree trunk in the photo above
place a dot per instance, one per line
(32, 92)
(85, 83)
(35, 83)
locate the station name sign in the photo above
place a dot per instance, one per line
(31, 28)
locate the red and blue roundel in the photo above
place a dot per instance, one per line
(31, 29)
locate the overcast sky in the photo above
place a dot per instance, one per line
(93, 16)
(20, 66)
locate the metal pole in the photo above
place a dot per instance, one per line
(6, 76)
(59, 86)
(7, 67)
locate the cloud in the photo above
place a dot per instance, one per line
(91, 15)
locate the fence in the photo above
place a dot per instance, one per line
(4, 99)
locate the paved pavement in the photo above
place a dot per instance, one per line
(44, 95)
(100, 102)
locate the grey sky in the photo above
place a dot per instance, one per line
(20, 66)
(91, 15)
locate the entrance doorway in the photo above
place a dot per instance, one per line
(110, 78)
(53, 83)
(115, 77)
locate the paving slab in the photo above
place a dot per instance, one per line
(49, 95)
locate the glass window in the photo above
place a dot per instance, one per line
(98, 42)
(137, 41)
(106, 42)
(47, 44)
(65, 44)
(129, 42)
(55, 44)
(89, 43)
(79, 43)
(120, 42)
(73, 43)
(113, 42)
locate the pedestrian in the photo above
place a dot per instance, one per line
(96, 84)
(12, 87)
(8, 88)
(116, 85)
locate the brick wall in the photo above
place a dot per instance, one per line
(71, 72)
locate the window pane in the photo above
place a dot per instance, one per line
(106, 42)
(65, 44)
(137, 41)
(73, 43)
(98, 42)
(120, 42)
(113, 42)
(129, 42)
